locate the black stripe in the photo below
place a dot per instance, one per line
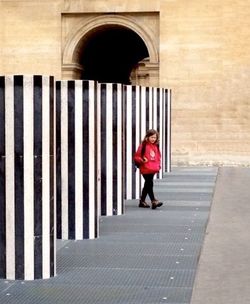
(2, 116)
(19, 182)
(85, 130)
(140, 107)
(96, 163)
(71, 159)
(125, 137)
(52, 190)
(147, 108)
(58, 161)
(170, 130)
(166, 129)
(2, 182)
(123, 150)
(114, 163)
(158, 109)
(103, 150)
(37, 124)
(133, 139)
(140, 128)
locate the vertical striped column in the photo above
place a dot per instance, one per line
(27, 232)
(77, 206)
(144, 109)
(160, 126)
(167, 126)
(157, 100)
(111, 148)
(133, 114)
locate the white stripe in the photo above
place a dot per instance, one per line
(155, 103)
(164, 128)
(143, 112)
(138, 139)
(143, 121)
(28, 164)
(64, 157)
(150, 108)
(46, 176)
(169, 131)
(161, 131)
(119, 151)
(92, 182)
(10, 178)
(78, 161)
(155, 108)
(109, 149)
(129, 143)
(98, 122)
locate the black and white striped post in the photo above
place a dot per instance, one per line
(157, 100)
(167, 125)
(151, 101)
(133, 113)
(77, 200)
(144, 109)
(27, 226)
(110, 139)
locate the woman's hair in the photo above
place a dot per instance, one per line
(150, 133)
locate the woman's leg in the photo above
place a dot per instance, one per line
(148, 187)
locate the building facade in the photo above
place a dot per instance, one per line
(199, 49)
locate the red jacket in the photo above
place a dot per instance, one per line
(153, 155)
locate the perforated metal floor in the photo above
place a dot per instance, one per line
(145, 256)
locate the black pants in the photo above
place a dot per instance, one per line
(148, 187)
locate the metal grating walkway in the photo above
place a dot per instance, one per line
(145, 256)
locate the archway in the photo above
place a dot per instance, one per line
(111, 48)
(111, 53)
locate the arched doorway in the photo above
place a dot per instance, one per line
(111, 48)
(111, 53)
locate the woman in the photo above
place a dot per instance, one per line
(148, 156)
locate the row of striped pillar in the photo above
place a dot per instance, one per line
(97, 130)
(122, 115)
(145, 108)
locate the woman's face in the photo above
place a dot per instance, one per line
(152, 139)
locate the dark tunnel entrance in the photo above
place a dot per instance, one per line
(110, 53)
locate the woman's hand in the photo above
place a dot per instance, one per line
(145, 160)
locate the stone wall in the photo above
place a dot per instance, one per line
(30, 37)
(204, 57)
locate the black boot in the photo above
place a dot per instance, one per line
(156, 204)
(143, 204)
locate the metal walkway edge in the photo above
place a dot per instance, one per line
(145, 256)
(223, 272)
